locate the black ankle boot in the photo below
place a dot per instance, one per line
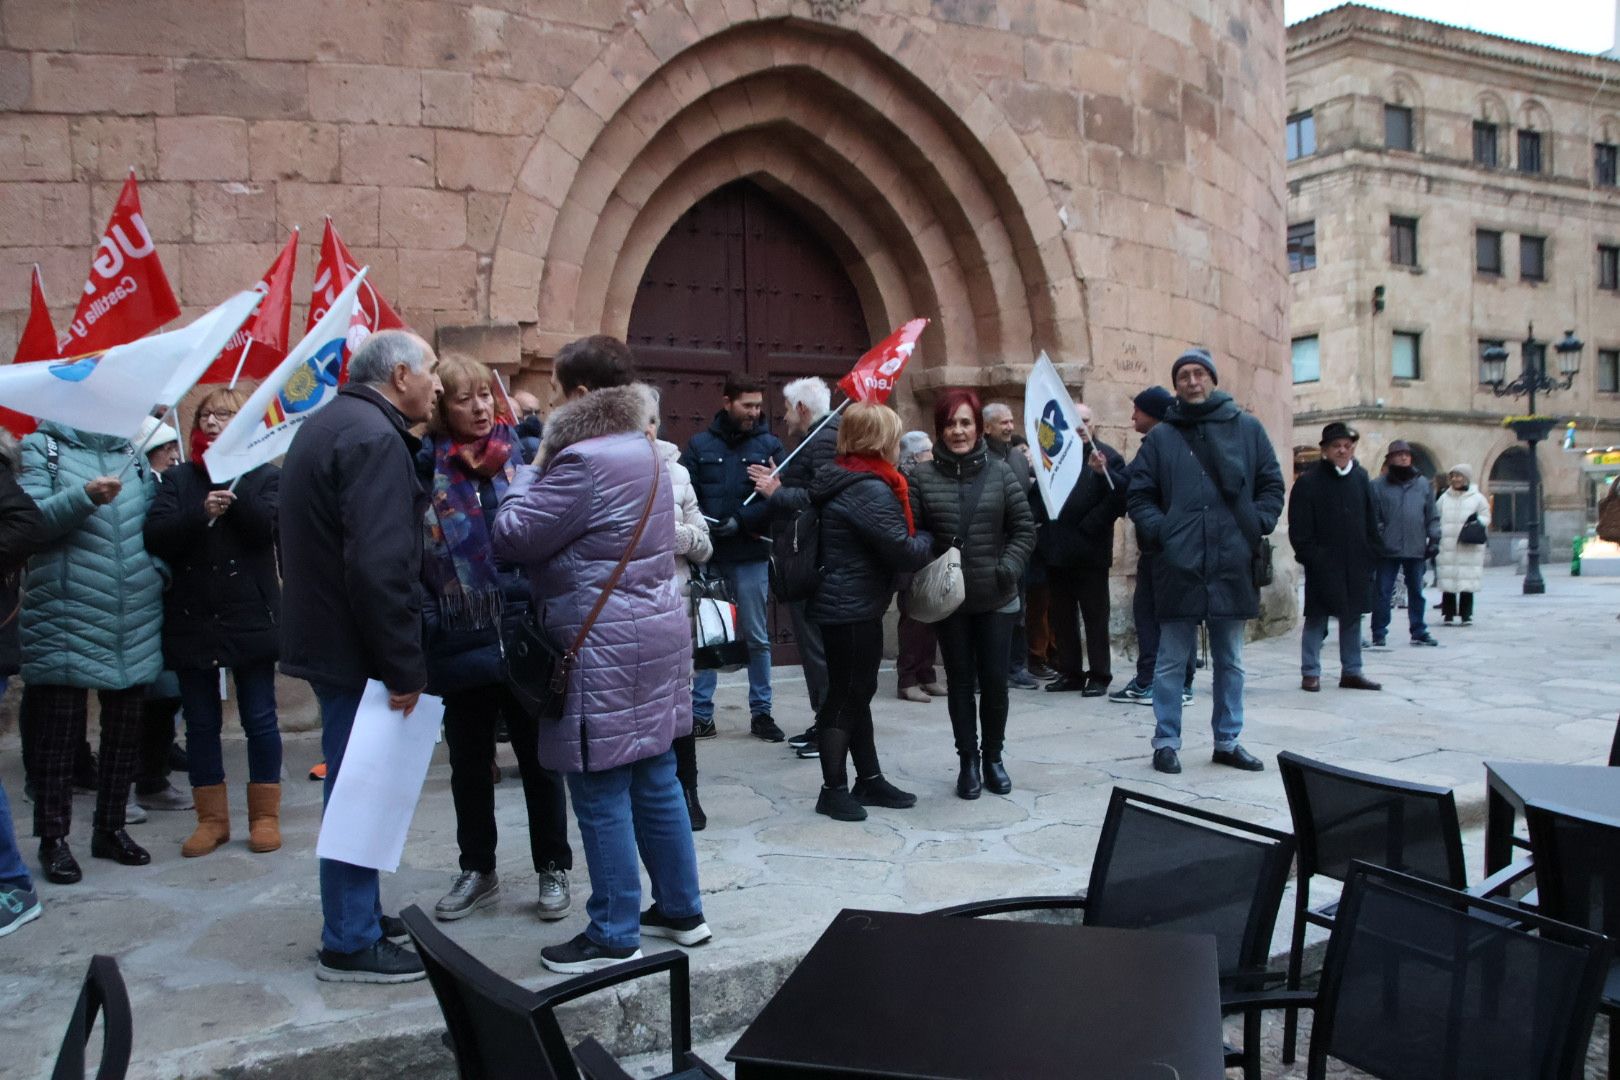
(996, 780)
(969, 783)
(60, 867)
(694, 810)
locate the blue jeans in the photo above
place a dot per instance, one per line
(1315, 632)
(1177, 641)
(751, 584)
(351, 896)
(634, 807)
(13, 874)
(1387, 571)
(205, 716)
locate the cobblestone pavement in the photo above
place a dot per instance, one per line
(219, 951)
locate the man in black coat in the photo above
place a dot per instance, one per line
(1205, 490)
(351, 549)
(1078, 549)
(1333, 525)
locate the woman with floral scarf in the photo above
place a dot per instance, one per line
(468, 460)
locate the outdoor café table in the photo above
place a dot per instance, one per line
(929, 997)
(1577, 789)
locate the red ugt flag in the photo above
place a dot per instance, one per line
(874, 375)
(38, 342)
(127, 294)
(265, 335)
(332, 275)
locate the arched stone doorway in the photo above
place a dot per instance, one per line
(1511, 511)
(741, 283)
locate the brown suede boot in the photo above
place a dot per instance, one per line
(264, 817)
(213, 821)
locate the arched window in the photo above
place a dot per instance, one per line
(1511, 511)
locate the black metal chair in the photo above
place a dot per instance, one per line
(1578, 880)
(500, 1031)
(1425, 982)
(103, 992)
(1163, 866)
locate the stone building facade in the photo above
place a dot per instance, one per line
(1446, 190)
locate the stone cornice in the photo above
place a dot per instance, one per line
(1447, 175)
(1441, 416)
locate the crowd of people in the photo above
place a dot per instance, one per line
(429, 523)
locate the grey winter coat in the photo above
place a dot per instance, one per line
(1408, 519)
(1001, 535)
(92, 615)
(1202, 553)
(864, 544)
(568, 522)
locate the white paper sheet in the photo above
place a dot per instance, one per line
(380, 781)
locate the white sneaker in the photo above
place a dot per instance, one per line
(134, 813)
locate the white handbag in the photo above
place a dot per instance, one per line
(938, 589)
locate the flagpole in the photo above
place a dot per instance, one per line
(241, 360)
(135, 454)
(825, 420)
(230, 490)
(1085, 439)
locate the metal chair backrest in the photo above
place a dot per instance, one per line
(1341, 816)
(1424, 982)
(1577, 867)
(103, 992)
(1160, 865)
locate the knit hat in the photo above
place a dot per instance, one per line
(1399, 446)
(1466, 471)
(1200, 357)
(1155, 401)
(163, 437)
(1339, 430)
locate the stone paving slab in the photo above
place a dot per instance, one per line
(219, 951)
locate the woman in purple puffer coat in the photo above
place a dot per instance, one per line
(568, 521)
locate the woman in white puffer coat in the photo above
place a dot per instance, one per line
(1459, 567)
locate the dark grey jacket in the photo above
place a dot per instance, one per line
(1202, 553)
(1083, 534)
(799, 473)
(1408, 516)
(1015, 459)
(864, 544)
(997, 542)
(351, 547)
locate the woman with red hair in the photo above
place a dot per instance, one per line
(970, 499)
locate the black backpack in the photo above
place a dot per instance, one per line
(796, 556)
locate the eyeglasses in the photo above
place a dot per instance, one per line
(221, 415)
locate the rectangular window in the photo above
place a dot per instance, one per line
(1302, 246)
(1307, 359)
(1606, 164)
(1484, 144)
(1530, 151)
(1488, 252)
(1608, 266)
(1301, 135)
(1405, 361)
(1533, 258)
(1484, 344)
(1403, 241)
(1397, 127)
(1608, 374)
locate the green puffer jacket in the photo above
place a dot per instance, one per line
(93, 608)
(1001, 535)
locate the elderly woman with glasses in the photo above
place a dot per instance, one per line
(222, 610)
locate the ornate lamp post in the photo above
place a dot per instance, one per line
(1532, 429)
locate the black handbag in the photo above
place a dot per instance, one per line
(537, 672)
(1472, 532)
(709, 655)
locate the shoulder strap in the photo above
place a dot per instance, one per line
(1197, 446)
(53, 458)
(970, 503)
(624, 560)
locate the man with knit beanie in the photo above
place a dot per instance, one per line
(1205, 490)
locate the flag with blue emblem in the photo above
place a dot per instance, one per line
(306, 381)
(1055, 434)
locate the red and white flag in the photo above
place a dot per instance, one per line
(332, 276)
(38, 342)
(127, 294)
(874, 375)
(261, 343)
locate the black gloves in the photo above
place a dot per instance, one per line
(726, 529)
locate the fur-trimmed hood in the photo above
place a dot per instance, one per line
(613, 411)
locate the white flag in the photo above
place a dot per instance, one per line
(112, 391)
(1055, 432)
(299, 386)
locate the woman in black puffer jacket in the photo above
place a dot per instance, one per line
(964, 479)
(867, 537)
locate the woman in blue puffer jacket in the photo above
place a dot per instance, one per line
(92, 619)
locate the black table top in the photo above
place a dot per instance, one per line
(884, 994)
(1583, 789)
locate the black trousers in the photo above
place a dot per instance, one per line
(1075, 594)
(974, 647)
(57, 716)
(84, 759)
(1453, 604)
(157, 735)
(844, 724)
(470, 717)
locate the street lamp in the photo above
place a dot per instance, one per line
(1532, 429)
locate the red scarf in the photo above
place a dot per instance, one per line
(200, 442)
(885, 472)
(485, 457)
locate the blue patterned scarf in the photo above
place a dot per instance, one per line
(458, 561)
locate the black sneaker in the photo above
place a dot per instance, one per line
(1095, 688)
(703, 729)
(811, 748)
(762, 727)
(1132, 693)
(382, 962)
(839, 805)
(582, 955)
(1378, 643)
(808, 735)
(877, 791)
(1425, 638)
(691, 930)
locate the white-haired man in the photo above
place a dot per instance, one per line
(809, 402)
(351, 539)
